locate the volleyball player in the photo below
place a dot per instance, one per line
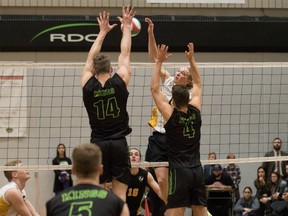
(157, 150)
(87, 197)
(13, 198)
(182, 124)
(140, 178)
(105, 98)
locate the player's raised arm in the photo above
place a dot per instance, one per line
(124, 70)
(104, 28)
(152, 48)
(164, 107)
(197, 83)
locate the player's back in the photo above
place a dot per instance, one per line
(185, 130)
(85, 199)
(106, 107)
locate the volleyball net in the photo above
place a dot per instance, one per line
(245, 106)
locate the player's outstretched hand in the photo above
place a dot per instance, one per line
(162, 53)
(150, 28)
(127, 15)
(190, 53)
(103, 21)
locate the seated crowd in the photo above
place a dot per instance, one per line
(271, 198)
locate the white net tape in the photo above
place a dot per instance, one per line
(153, 164)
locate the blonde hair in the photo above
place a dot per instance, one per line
(212, 153)
(8, 174)
(86, 159)
(189, 76)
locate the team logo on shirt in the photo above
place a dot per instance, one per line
(141, 178)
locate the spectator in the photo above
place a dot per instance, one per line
(285, 177)
(208, 168)
(87, 197)
(139, 180)
(280, 207)
(277, 186)
(62, 178)
(262, 190)
(247, 205)
(277, 166)
(219, 199)
(234, 171)
(13, 198)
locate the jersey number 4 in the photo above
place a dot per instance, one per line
(189, 130)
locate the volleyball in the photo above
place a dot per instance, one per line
(136, 27)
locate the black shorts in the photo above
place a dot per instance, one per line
(186, 187)
(115, 159)
(157, 148)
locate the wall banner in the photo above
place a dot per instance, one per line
(13, 102)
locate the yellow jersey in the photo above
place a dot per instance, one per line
(6, 209)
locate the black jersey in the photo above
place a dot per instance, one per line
(85, 200)
(106, 108)
(225, 180)
(135, 191)
(183, 138)
(58, 184)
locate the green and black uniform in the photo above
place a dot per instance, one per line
(186, 180)
(108, 119)
(85, 200)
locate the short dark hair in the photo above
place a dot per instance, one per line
(217, 167)
(101, 64)
(231, 156)
(180, 95)
(277, 138)
(86, 159)
(8, 174)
